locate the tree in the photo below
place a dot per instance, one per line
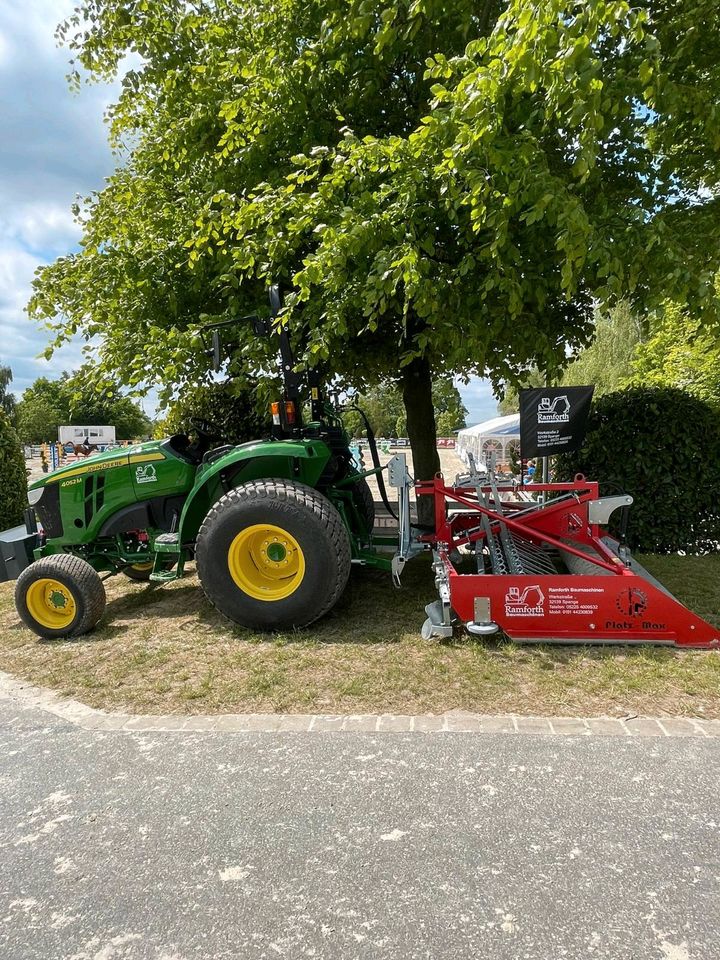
(231, 405)
(54, 393)
(38, 420)
(608, 361)
(441, 187)
(13, 476)
(450, 411)
(112, 408)
(680, 353)
(384, 408)
(662, 446)
(510, 401)
(75, 398)
(7, 400)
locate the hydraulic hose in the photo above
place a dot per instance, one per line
(376, 460)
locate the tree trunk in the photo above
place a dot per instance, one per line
(417, 397)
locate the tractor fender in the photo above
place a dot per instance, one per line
(301, 460)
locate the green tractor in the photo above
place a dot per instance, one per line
(273, 525)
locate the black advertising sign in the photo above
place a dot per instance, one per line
(553, 419)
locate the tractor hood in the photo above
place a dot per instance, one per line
(129, 488)
(109, 459)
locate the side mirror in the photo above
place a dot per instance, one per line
(216, 357)
(275, 300)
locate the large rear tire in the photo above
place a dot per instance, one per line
(363, 498)
(60, 596)
(273, 555)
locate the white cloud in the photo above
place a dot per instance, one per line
(41, 226)
(478, 397)
(21, 340)
(53, 148)
(5, 56)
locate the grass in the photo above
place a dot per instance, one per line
(165, 650)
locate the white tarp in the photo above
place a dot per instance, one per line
(500, 436)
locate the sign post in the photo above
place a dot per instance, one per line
(553, 420)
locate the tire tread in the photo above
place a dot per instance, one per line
(310, 498)
(85, 581)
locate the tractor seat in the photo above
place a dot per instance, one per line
(218, 452)
(179, 445)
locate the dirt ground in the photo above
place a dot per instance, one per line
(166, 650)
(450, 466)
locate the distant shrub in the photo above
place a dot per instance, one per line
(13, 476)
(662, 446)
(231, 405)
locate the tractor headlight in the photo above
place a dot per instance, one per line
(35, 495)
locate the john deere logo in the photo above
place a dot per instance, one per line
(526, 603)
(145, 473)
(632, 602)
(554, 411)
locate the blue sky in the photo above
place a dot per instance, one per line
(54, 147)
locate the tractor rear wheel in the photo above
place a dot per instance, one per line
(273, 555)
(60, 596)
(363, 498)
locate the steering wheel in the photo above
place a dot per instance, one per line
(206, 429)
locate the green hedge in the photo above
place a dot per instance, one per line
(662, 446)
(13, 476)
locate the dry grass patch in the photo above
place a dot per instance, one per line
(165, 650)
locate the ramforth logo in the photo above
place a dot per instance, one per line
(528, 603)
(554, 411)
(145, 474)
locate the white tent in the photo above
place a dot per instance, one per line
(500, 436)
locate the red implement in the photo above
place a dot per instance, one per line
(546, 571)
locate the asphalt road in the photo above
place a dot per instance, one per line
(121, 846)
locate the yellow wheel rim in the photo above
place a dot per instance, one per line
(51, 603)
(266, 562)
(141, 567)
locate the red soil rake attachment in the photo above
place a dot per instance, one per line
(542, 570)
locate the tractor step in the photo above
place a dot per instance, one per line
(16, 551)
(167, 543)
(167, 548)
(164, 576)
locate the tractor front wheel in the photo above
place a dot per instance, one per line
(59, 596)
(273, 555)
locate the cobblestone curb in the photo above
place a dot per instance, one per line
(27, 695)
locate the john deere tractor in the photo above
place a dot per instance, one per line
(272, 525)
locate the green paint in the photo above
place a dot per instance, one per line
(276, 552)
(58, 599)
(89, 495)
